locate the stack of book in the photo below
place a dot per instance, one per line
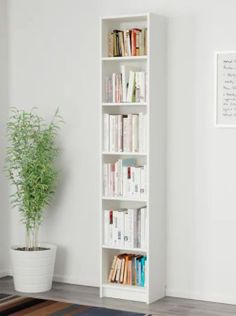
(124, 133)
(125, 228)
(125, 86)
(128, 269)
(124, 179)
(131, 42)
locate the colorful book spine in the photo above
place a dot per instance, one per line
(128, 269)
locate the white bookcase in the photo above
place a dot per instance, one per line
(154, 64)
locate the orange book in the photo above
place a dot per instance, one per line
(125, 269)
(133, 41)
(129, 270)
(122, 270)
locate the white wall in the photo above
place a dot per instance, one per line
(54, 61)
(4, 209)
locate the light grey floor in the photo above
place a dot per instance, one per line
(86, 295)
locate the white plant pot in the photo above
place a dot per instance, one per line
(33, 270)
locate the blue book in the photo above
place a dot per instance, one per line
(143, 260)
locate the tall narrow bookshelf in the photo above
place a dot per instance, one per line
(150, 109)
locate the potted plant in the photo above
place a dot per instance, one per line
(30, 167)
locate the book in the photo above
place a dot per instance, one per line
(130, 91)
(121, 43)
(122, 269)
(124, 178)
(119, 259)
(128, 269)
(128, 85)
(113, 274)
(134, 133)
(112, 269)
(110, 44)
(129, 42)
(125, 228)
(124, 83)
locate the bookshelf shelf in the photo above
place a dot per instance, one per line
(139, 250)
(125, 104)
(123, 199)
(131, 292)
(124, 286)
(129, 58)
(132, 156)
(108, 153)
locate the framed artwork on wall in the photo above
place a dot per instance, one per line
(225, 89)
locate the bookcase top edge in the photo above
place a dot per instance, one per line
(126, 16)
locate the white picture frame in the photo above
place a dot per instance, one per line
(225, 107)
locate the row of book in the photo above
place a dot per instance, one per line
(124, 133)
(128, 269)
(125, 86)
(124, 179)
(131, 42)
(125, 228)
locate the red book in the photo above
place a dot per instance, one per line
(133, 41)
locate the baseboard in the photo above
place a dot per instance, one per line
(208, 297)
(72, 280)
(59, 278)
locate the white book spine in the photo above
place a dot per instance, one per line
(142, 78)
(106, 227)
(129, 134)
(135, 133)
(106, 179)
(143, 227)
(120, 133)
(126, 229)
(113, 87)
(110, 227)
(107, 89)
(120, 228)
(130, 87)
(135, 229)
(116, 179)
(142, 132)
(111, 133)
(125, 134)
(139, 228)
(120, 178)
(137, 87)
(115, 228)
(124, 83)
(137, 175)
(106, 132)
(132, 181)
(109, 180)
(116, 133)
(128, 182)
(124, 181)
(131, 227)
(142, 42)
(143, 182)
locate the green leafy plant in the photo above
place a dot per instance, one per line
(30, 167)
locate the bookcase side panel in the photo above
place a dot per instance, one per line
(157, 157)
